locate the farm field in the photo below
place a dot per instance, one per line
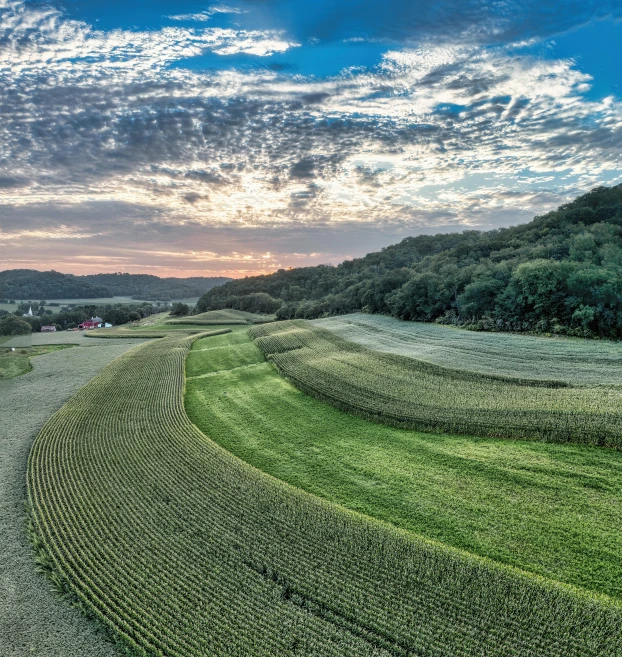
(15, 363)
(575, 361)
(91, 302)
(555, 510)
(34, 619)
(421, 395)
(156, 330)
(184, 549)
(227, 316)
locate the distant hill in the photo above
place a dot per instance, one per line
(37, 285)
(560, 273)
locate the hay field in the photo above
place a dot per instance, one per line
(575, 361)
(34, 619)
(414, 393)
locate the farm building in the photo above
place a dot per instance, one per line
(94, 322)
(48, 329)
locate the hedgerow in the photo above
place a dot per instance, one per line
(184, 550)
(418, 394)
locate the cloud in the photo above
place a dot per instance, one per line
(204, 16)
(104, 143)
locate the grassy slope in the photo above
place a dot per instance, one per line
(15, 363)
(226, 316)
(551, 509)
(576, 361)
(189, 551)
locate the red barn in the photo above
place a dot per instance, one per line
(93, 323)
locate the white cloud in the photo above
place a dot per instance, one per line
(442, 135)
(204, 16)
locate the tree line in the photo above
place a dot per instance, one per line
(560, 273)
(33, 284)
(70, 317)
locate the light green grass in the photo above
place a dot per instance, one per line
(225, 316)
(573, 360)
(15, 363)
(555, 510)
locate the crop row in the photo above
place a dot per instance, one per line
(409, 392)
(184, 550)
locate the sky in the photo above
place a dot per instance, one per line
(187, 138)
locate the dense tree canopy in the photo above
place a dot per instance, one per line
(32, 284)
(12, 325)
(560, 273)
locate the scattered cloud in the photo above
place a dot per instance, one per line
(105, 142)
(204, 16)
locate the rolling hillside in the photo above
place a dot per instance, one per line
(36, 285)
(560, 274)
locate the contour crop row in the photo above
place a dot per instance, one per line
(183, 550)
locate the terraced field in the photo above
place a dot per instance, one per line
(182, 549)
(554, 510)
(421, 395)
(218, 317)
(575, 361)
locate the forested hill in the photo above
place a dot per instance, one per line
(560, 273)
(36, 285)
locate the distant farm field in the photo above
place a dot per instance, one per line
(183, 549)
(422, 395)
(15, 363)
(555, 510)
(576, 361)
(227, 316)
(99, 301)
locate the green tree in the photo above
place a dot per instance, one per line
(11, 325)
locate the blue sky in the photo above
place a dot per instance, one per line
(185, 137)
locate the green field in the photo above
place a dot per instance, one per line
(183, 549)
(575, 361)
(14, 363)
(421, 395)
(555, 510)
(226, 316)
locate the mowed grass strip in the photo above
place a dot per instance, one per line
(421, 395)
(555, 510)
(201, 362)
(185, 550)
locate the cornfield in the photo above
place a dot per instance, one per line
(183, 550)
(418, 394)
